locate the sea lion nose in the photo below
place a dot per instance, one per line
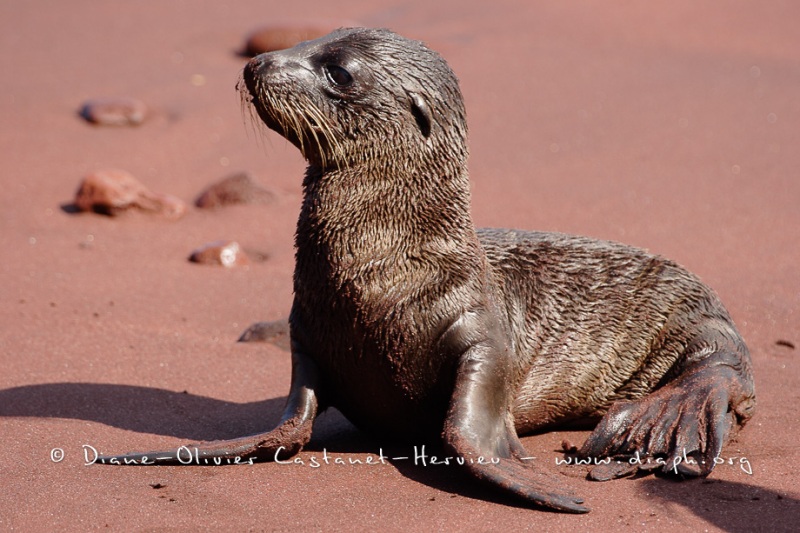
(273, 65)
(258, 65)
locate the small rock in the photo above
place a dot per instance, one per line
(114, 111)
(276, 332)
(111, 192)
(568, 447)
(274, 38)
(236, 189)
(225, 253)
(170, 206)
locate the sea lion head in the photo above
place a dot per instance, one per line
(361, 97)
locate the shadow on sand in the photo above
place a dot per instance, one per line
(729, 505)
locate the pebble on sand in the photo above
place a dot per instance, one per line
(225, 253)
(121, 111)
(274, 38)
(236, 189)
(275, 332)
(112, 192)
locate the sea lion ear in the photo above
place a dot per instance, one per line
(422, 113)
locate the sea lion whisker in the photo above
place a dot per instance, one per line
(314, 132)
(332, 140)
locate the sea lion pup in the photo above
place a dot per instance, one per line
(413, 323)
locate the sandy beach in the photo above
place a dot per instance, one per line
(672, 126)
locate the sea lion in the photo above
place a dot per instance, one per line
(413, 323)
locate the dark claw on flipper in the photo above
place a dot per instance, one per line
(513, 476)
(517, 478)
(679, 429)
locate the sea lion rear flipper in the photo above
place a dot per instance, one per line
(679, 428)
(479, 430)
(288, 438)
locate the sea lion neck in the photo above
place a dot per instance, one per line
(364, 216)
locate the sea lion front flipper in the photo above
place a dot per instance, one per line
(679, 428)
(479, 430)
(288, 438)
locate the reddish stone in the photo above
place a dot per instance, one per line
(111, 192)
(276, 332)
(168, 205)
(274, 38)
(114, 111)
(235, 189)
(225, 253)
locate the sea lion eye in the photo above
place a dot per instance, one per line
(338, 76)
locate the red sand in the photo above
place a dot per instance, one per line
(667, 125)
